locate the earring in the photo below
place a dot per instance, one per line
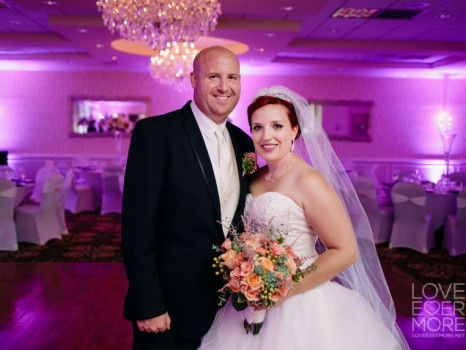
(292, 145)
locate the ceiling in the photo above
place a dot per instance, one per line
(289, 37)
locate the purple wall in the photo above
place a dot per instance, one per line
(35, 110)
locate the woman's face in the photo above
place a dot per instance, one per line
(272, 132)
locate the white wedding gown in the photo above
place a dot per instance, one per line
(327, 317)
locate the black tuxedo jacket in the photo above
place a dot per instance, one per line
(170, 217)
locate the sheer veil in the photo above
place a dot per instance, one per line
(365, 276)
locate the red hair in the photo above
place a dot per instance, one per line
(265, 100)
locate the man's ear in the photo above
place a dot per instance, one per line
(193, 78)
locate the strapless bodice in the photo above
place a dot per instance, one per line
(280, 211)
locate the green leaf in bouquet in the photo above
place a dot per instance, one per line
(239, 301)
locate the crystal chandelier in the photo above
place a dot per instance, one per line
(160, 22)
(173, 64)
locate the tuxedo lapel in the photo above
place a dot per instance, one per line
(202, 156)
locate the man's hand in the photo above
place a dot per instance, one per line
(155, 325)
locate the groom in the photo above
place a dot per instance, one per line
(178, 188)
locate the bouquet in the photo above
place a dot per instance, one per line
(259, 270)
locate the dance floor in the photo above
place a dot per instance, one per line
(78, 305)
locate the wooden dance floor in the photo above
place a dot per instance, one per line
(75, 306)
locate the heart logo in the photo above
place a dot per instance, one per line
(432, 307)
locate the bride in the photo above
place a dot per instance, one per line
(344, 303)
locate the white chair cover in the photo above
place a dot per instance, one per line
(454, 240)
(112, 194)
(94, 180)
(8, 239)
(413, 226)
(380, 217)
(458, 177)
(37, 223)
(42, 175)
(62, 202)
(79, 197)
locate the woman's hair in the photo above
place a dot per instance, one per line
(262, 101)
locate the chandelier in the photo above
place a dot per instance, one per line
(160, 22)
(173, 64)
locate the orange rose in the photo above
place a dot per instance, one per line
(226, 244)
(229, 259)
(275, 296)
(267, 264)
(253, 281)
(279, 275)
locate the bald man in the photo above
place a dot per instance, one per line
(173, 203)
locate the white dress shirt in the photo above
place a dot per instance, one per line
(230, 202)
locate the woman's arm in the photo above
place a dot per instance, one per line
(326, 214)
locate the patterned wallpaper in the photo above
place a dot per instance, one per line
(35, 110)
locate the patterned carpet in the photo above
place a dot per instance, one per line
(95, 237)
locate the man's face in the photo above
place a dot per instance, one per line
(217, 84)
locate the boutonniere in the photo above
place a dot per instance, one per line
(249, 163)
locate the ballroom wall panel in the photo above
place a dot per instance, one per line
(35, 110)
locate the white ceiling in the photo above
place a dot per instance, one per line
(305, 40)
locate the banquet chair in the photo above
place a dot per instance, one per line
(6, 172)
(454, 240)
(458, 177)
(62, 201)
(8, 239)
(94, 180)
(41, 176)
(112, 194)
(380, 217)
(62, 168)
(79, 197)
(413, 226)
(37, 223)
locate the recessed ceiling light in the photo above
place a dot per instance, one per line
(15, 22)
(350, 12)
(99, 46)
(334, 30)
(82, 30)
(444, 16)
(49, 2)
(114, 58)
(269, 35)
(287, 8)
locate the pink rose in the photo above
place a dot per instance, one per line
(235, 285)
(226, 244)
(276, 249)
(283, 290)
(235, 273)
(262, 251)
(240, 258)
(246, 268)
(292, 265)
(251, 295)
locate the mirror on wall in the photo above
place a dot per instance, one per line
(345, 120)
(103, 116)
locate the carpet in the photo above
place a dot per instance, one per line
(92, 238)
(95, 238)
